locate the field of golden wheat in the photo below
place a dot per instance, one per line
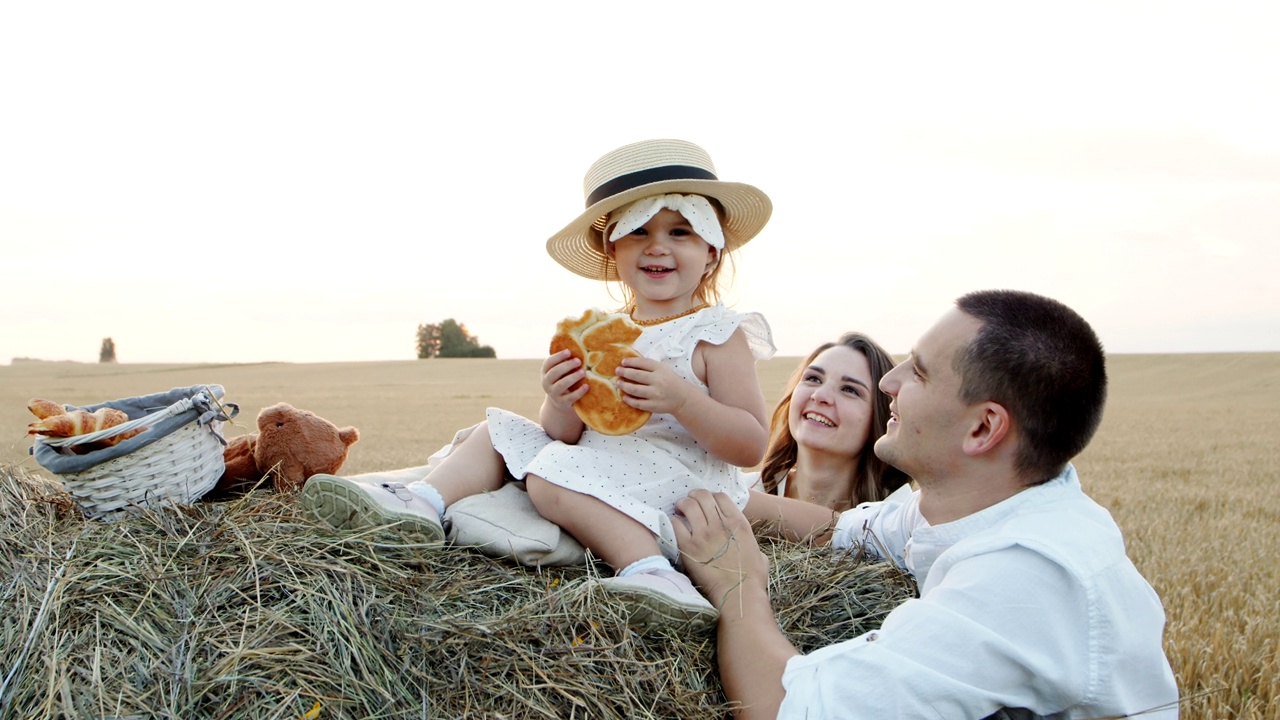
(1187, 460)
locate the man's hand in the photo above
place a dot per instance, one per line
(721, 555)
(718, 547)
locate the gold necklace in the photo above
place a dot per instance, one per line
(659, 321)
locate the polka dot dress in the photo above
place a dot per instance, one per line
(645, 473)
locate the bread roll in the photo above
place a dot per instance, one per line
(601, 340)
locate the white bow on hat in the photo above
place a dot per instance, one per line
(695, 208)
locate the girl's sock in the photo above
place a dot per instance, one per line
(646, 564)
(428, 493)
(404, 476)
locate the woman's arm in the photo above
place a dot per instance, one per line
(729, 420)
(791, 519)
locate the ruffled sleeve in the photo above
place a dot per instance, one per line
(715, 325)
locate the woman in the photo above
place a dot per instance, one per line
(821, 460)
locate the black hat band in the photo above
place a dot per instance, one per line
(623, 183)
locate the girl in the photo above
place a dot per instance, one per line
(824, 432)
(659, 222)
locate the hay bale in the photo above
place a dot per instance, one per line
(246, 609)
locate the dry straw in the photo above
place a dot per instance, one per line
(245, 609)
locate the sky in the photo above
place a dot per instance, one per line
(310, 181)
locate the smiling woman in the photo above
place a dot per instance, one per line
(820, 459)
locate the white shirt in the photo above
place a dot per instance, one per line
(1031, 603)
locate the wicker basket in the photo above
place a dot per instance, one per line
(178, 458)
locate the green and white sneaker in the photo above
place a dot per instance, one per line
(352, 504)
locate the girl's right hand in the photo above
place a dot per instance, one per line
(560, 374)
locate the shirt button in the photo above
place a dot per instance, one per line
(872, 636)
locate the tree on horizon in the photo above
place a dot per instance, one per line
(450, 339)
(108, 352)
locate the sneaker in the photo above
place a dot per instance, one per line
(348, 504)
(663, 598)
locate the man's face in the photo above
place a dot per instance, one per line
(927, 427)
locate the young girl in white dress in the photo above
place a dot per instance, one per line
(660, 222)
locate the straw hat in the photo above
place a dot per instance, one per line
(639, 170)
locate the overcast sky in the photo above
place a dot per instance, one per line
(309, 181)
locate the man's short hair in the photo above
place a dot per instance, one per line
(1042, 362)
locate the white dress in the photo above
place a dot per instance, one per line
(642, 474)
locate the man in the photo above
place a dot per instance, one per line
(1028, 605)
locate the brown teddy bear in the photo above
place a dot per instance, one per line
(291, 445)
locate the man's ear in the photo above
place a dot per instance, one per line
(991, 424)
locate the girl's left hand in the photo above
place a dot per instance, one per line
(649, 385)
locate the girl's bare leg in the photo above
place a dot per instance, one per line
(609, 533)
(473, 467)
(370, 500)
(656, 595)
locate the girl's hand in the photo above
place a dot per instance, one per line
(560, 373)
(650, 385)
(728, 420)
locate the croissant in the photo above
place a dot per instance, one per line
(81, 422)
(601, 341)
(45, 408)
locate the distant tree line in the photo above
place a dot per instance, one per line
(450, 339)
(106, 354)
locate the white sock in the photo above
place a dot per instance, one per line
(646, 564)
(428, 493)
(404, 476)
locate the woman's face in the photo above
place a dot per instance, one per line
(831, 405)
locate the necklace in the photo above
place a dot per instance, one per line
(659, 321)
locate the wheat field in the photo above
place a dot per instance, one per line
(1186, 460)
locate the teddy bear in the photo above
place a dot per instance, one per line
(290, 445)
